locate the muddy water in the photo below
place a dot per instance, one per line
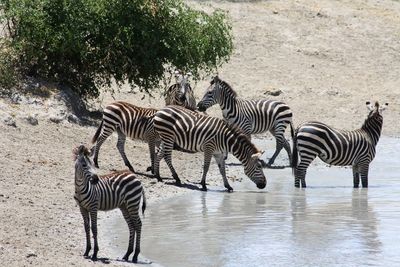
(327, 224)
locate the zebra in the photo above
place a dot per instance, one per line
(116, 190)
(338, 147)
(127, 120)
(252, 116)
(196, 132)
(181, 92)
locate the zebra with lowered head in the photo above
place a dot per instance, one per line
(194, 132)
(252, 116)
(116, 190)
(181, 92)
(127, 120)
(338, 147)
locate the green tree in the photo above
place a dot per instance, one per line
(86, 43)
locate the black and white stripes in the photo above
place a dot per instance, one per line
(195, 132)
(181, 93)
(127, 120)
(117, 190)
(338, 147)
(252, 116)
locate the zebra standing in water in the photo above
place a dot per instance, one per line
(252, 116)
(117, 190)
(195, 132)
(181, 92)
(338, 147)
(127, 120)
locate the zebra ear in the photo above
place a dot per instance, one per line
(91, 151)
(370, 107)
(383, 107)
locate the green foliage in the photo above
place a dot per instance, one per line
(87, 43)
(8, 66)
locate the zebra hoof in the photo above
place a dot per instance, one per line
(229, 189)
(178, 182)
(204, 188)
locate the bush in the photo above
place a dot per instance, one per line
(86, 43)
(8, 67)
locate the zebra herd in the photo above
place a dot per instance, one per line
(181, 126)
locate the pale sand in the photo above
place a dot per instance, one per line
(327, 57)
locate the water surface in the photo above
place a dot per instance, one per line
(327, 224)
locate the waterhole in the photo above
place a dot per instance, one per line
(327, 224)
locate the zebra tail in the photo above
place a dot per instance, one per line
(143, 203)
(292, 129)
(96, 135)
(295, 155)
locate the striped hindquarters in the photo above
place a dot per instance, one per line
(133, 121)
(263, 115)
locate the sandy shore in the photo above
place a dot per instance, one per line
(326, 57)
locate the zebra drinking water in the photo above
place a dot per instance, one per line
(252, 116)
(116, 190)
(195, 132)
(338, 147)
(127, 120)
(181, 93)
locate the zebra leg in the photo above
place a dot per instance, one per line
(356, 177)
(159, 157)
(129, 221)
(96, 148)
(104, 135)
(301, 170)
(138, 229)
(364, 176)
(121, 149)
(281, 142)
(207, 160)
(86, 219)
(220, 159)
(93, 218)
(168, 158)
(152, 149)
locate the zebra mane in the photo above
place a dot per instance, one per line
(77, 150)
(226, 85)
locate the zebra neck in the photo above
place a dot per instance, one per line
(373, 128)
(228, 103)
(240, 147)
(82, 182)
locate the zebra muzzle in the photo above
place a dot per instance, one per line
(261, 185)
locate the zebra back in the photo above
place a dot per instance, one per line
(132, 120)
(252, 116)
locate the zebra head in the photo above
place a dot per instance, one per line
(210, 98)
(182, 81)
(83, 164)
(375, 111)
(253, 169)
(374, 121)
